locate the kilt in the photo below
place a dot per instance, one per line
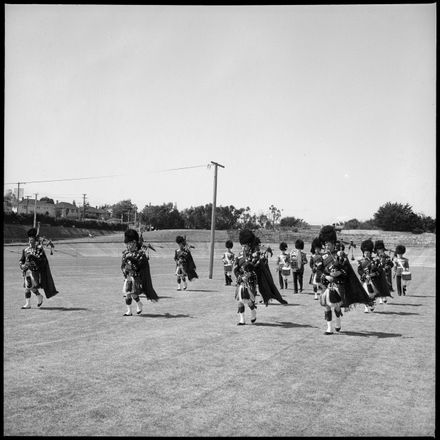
(244, 293)
(132, 285)
(31, 280)
(371, 289)
(331, 297)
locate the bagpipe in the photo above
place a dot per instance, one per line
(367, 280)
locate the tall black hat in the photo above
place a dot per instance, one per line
(32, 233)
(283, 246)
(328, 234)
(400, 249)
(367, 245)
(316, 243)
(299, 244)
(378, 244)
(246, 236)
(131, 235)
(229, 244)
(180, 239)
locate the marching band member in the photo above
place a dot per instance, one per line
(36, 271)
(185, 266)
(372, 275)
(343, 288)
(351, 248)
(283, 266)
(316, 264)
(266, 285)
(385, 262)
(228, 261)
(136, 270)
(401, 264)
(298, 259)
(246, 290)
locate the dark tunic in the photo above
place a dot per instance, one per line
(36, 260)
(184, 257)
(139, 268)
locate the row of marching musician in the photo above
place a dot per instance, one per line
(334, 281)
(333, 276)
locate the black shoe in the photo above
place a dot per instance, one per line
(328, 333)
(241, 323)
(127, 314)
(338, 329)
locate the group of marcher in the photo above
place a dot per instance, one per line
(334, 281)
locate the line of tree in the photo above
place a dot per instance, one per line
(395, 217)
(167, 216)
(389, 217)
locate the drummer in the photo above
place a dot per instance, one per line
(401, 269)
(283, 266)
(228, 261)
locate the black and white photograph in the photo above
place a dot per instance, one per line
(219, 220)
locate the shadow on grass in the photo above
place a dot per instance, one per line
(379, 335)
(282, 324)
(279, 304)
(165, 315)
(160, 297)
(403, 304)
(200, 290)
(65, 309)
(394, 313)
(421, 296)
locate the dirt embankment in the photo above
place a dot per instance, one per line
(17, 233)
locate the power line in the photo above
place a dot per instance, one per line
(64, 180)
(103, 177)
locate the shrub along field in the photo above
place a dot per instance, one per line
(77, 367)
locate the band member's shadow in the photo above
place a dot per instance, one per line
(279, 304)
(379, 335)
(65, 309)
(421, 296)
(283, 324)
(406, 305)
(165, 315)
(199, 290)
(160, 297)
(387, 312)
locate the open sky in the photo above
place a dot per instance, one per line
(326, 112)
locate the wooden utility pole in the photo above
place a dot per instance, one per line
(84, 206)
(35, 211)
(18, 195)
(214, 202)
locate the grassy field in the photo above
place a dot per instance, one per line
(77, 367)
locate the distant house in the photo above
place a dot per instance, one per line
(7, 206)
(67, 210)
(28, 207)
(96, 213)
